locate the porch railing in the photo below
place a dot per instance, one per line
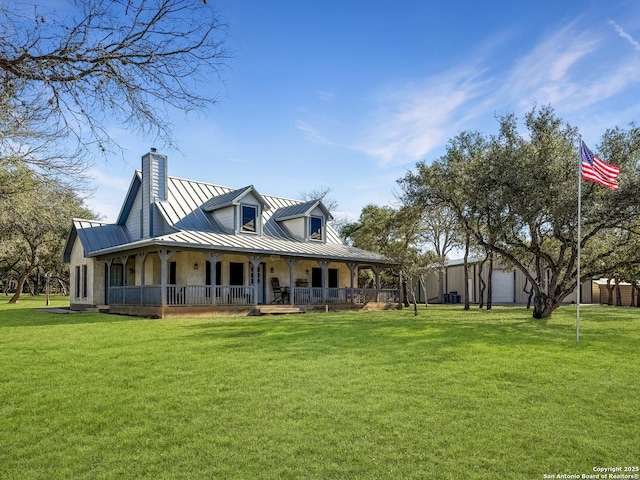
(241, 295)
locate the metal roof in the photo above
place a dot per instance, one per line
(186, 199)
(460, 261)
(190, 226)
(251, 244)
(232, 198)
(300, 210)
(95, 236)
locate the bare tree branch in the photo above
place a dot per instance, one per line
(75, 72)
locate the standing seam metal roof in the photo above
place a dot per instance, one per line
(190, 226)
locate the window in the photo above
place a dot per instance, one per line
(260, 271)
(333, 278)
(236, 273)
(315, 231)
(84, 281)
(77, 292)
(316, 277)
(249, 219)
(117, 275)
(173, 270)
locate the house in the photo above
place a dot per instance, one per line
(508, 284)
(182, 247)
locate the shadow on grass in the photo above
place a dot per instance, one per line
(42, 317)
(435, 332)
(360, 332)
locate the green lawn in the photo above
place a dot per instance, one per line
(365, 395)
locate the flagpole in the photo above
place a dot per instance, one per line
(578, 286)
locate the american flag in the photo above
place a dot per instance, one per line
(595, 170)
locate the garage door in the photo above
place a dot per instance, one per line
(503, 286)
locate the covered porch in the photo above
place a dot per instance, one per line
(156, 282)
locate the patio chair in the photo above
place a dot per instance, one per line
(278, 293)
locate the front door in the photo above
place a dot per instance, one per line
(261, 284)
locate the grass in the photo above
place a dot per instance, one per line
(365, 395)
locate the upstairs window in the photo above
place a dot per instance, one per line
(315, 232)
(249, 219)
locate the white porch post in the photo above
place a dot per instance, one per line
(324, 266)
(125, 280)
(292, 262)
(109, 262)
(143, 259)
(213, 259)
(164, 255)
(352, 269)
(376, 271)
(255, 263)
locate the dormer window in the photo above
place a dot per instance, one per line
(315, 228)
(249, 219)
(304, 221)
(238, 211)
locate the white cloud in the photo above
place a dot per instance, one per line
(310, 133)
(546, 75)
(570, 68)
(325, 96)
(573, 70)
(414, 120)
(634, 43)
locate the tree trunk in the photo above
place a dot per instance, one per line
(466, 273)
(529, 292)
(441, 283)
(405, 299)
(414, 300)
(20, 286)
(618, 293)
(423, 284)
(481, 286)
(542, 307)
(62, 287)
(610, 292)
(490, 282)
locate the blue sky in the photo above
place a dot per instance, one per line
(350, 95)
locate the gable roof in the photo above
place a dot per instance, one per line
(301, 210)
(127, 205)
(233, 198)
(95, 236)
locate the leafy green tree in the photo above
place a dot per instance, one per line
(34, 222)
(397, 234)
(439, 227)
(517, 196)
